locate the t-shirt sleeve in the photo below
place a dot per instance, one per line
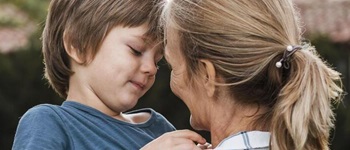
(40, 128)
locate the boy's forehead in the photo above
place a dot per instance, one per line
(142, 38)
(148, 39)
(151, 43)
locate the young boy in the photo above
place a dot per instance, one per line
(101, 56)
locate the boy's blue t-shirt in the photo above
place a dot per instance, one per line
(78, 127)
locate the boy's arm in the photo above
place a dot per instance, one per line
(40, 128)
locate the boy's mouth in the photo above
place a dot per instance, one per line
(138, 85)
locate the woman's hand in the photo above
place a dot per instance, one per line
(176, 140)
(206, 146)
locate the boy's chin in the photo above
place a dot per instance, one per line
(125, 105)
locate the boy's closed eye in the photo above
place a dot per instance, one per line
(135, 52)
(139, 53)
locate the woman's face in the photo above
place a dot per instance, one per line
(180, 84)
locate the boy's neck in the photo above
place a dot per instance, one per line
(79, 92)
(134, 118)
(88, 98)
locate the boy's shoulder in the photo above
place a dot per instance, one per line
(42, 112)
(40, 127)
(43, 109)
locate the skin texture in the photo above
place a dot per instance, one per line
(122, 71)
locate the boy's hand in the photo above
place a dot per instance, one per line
(176, 140)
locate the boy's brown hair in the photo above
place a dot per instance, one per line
(83, 24)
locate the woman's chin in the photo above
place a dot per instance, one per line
(195, 125)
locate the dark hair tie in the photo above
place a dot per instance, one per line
(287, 53)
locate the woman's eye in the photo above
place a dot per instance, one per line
(135, 52)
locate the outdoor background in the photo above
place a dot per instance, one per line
(22, 86)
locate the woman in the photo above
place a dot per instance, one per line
(246, 76)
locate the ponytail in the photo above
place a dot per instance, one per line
(302, 115)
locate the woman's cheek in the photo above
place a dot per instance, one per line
(177, 84)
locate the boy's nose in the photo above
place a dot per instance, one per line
(149, 68)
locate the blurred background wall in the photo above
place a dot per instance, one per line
(326, 24)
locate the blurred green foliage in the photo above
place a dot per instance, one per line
(6, 22)
(23, 86)
(36, 9)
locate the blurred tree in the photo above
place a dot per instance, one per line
(36, 9)
(21, 81)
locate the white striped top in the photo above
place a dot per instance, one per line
(246, 140)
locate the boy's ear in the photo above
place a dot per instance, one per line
(71, 51)
(210, 77)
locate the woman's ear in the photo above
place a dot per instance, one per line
(71, 51)
(209, 73)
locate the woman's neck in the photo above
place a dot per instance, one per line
(230, 119)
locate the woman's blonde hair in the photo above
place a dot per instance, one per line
(244, 39)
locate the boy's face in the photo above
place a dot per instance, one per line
(124, 68)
